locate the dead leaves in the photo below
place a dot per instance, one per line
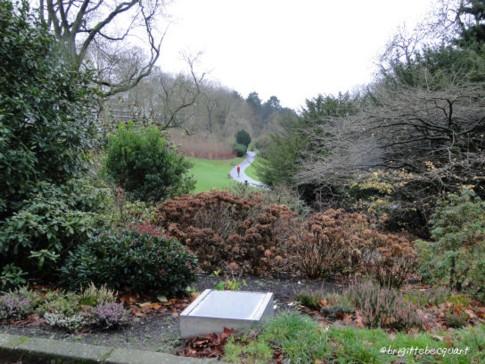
(208, 346)
(142, 308)
(31, 321)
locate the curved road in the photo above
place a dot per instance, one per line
(242, 178)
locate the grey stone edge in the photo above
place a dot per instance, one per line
(14, 348)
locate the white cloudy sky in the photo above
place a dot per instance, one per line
(291, 49)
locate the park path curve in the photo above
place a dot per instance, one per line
(243, 177)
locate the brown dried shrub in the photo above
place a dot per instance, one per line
(339, 243)
(250, 236)
(231, 233)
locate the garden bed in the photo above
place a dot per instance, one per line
(154, 324)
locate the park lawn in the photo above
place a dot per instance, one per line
(212, 174)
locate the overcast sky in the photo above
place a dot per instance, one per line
(291, 49)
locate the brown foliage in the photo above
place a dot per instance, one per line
(249, 236)
(336, 242)
(230, 233)
(208, 346)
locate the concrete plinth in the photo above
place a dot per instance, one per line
(214, 310)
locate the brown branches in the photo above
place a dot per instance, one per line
(80, 25)
(409, 128)
(180, 95)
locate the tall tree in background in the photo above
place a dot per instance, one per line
(80, 26)
(281, 156)
(271, 106)
(254, 101)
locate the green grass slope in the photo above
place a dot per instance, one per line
(251, 170)
(212, 174)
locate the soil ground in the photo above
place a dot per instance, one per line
(159, 332)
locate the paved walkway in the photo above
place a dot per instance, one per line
(243, 177)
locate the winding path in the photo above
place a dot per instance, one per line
(243, 177)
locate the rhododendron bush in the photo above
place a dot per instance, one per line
(245, 235)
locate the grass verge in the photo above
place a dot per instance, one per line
(299, 339)
(251, 170)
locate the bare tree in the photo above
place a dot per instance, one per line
(161, 99)
(437, 135)
(81, 25)
(211, 105)
(177, 97)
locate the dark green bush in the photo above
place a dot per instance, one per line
(456, 257)
(243, 138)
(46, 119)
(240, 149)
(127, 260)
(53, 221)
(141, 161)
(11, 277)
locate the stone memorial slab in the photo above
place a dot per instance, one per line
(213, 310)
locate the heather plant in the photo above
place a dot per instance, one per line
(14, 306)
(431, 297)
(109, 315)
(91, 308)
(70, 323)
(456, 256)
(59, 303)
(383, 307)
(333, 306)
(92, 296)
(455, 316)
(310, 299)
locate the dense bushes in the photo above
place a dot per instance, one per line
(229, 232)
(53, 221)
(335, 242)
(130, 261)
(45, 109)
(239, 149)
(141, 162)
(249, 236)
(456, 257)
(243, 138)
